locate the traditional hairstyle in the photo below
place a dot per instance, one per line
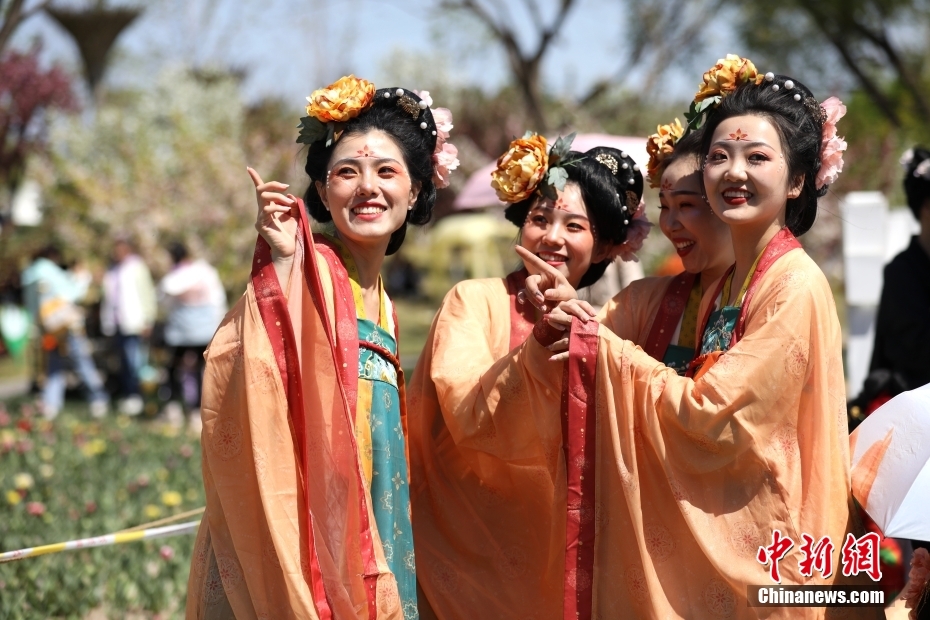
(688, 147)
(799, 120)
(916, 162)
(407, 118)
(611, 187)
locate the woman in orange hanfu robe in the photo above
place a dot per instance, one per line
(661, 313)
(678, 485)
(488, 512)
(304, 438)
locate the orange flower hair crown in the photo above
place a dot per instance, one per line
(659, 146)
(329, 108)
(521, 170)
(337, 103)
(719, 81)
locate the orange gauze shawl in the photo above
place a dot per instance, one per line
(666, 508)
(288, 531)
(488, 490)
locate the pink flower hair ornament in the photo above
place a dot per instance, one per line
(445, 156)
(831, 146)
(636, 234)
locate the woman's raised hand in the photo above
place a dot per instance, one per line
(545, 283)
(277, 216)
(560, 317)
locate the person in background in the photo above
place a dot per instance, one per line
(51, 295)
(194, 302)
(902, 331)
(127, 312)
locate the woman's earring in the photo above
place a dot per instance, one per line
(410, 208)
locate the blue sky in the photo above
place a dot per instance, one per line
(288, 48)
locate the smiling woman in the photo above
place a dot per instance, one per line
(490, 506)
(692, 480)
(305, 428)
(660, 314)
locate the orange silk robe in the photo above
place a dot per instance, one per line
(288, 531)
(663, 513)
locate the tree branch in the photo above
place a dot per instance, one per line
(552, 30)
(868, 84)
(881, 41)
(11, 19)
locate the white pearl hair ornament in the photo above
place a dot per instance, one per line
(387, 95)
(399, 92)
(624, 165)
(769, 77)
(631, 181)
(775, 87)
(789, 84)
(636, 167)
(626, 222)
(423, 125)
(797, 96)
(422, 105)
(434, 133)
(622, 207)
(623, 154)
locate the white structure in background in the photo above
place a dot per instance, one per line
(27, 204)
(872, 236)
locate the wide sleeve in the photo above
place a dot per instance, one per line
(482, 393)
(487, 472)
(768, 419)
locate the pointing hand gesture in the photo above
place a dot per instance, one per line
(277, 216)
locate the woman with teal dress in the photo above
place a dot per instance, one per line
(304, 439)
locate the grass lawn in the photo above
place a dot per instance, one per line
(76, 477)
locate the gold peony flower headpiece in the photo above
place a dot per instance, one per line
(719, 81)
(329, 108)
(659, 146)
(521, 170)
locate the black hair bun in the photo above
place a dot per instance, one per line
(916, 162)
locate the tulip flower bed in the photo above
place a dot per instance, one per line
(76, 477)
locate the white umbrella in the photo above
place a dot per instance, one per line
(891, 465)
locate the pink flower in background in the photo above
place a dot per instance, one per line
(443, 119)
(444, 161)
(36, 509)
(166, 552)
(636, 233)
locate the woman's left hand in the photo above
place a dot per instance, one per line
(545, 283)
